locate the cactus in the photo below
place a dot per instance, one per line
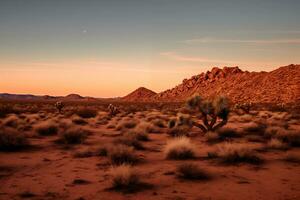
(59, 106)
(112, 110)
(210, 112)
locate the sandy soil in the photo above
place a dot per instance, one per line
(50, 171)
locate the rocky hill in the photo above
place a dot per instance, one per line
(141, 94)
(279, 86)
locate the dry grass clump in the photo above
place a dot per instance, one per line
(87, 112)
(212, 137)
(159, 123)
(292, 137)
(191, 171)
(272, 131)
(180, 148)
(79, 121)
(129, 140)
(227, 132)
(124, 178)
(46, 128)
(139, 135)
(231, 153)
(179, 131)
(146, 127)
(254, 128)
(12, 140)
(126, 124)
(120, 154)
(73, 135)
(276, 144)
(11, 121)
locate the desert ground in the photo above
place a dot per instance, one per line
(84, 153)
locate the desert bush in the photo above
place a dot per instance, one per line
(191, 171)
(112, 110)
(212, 137)
(231, 153)
(126, 124)
(159, 123)
(246, 106)
(11, 121)
(226, 132)
(179, 131)
(276, 144)
(124, 178)
(291, 137)
(210, 112)
(46, 128)
(129, 140)
(139, 135)
(12, 140)
(146, 127)
(180, 148)
(87, 112)
(73, 135)
(79, 121)
(255, 128)
(5, 110)
(122, 154)
(273, 131)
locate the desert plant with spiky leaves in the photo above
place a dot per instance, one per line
(59, 106)
(213, 113)
(112, 110)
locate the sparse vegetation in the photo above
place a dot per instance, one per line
(192, 172)
(124, 178)
(46, 128)
(73, 135)
(122, 154)
(180, 149)
(12, 140)
(209, 112)
(87, 112)
(232, 153)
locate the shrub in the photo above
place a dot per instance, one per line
(180, 149)
(255, 128)
(212, 137)
(11, 140)
(120, 154)
(79, 121)
(191, 171)
(179, 131)
(130, 140)
(124, 178)
(292, 157)
(11, 121)
(210, 112)
(139, 135)
(73, 135)
(87, 113)
(126, 124)
(159, 123)
(274, 131)
(226, 132)
(276, 144)
(146, 127)
(46, 128)
(235, 153)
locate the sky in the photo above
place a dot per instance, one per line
(108, 48)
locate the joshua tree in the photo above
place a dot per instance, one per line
(113, 110)
(59, 106)
(214, 114)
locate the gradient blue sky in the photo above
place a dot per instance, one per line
(108, 48)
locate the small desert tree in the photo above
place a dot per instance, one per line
(112, 110)
(213, 113)
(59, 106)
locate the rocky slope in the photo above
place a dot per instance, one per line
(279, 86)
(141, 94)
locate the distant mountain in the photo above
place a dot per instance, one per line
(74, 96)
(141, 94)
(279, 86)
